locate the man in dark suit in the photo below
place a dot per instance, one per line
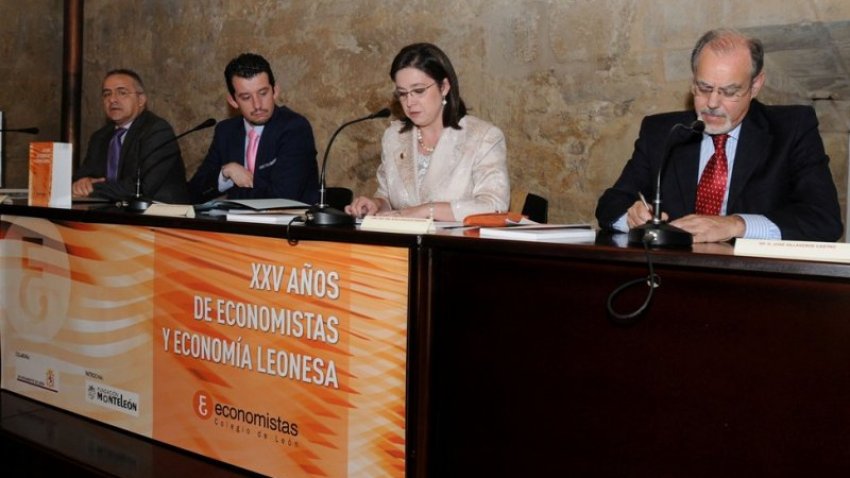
(136, 143)
(267, 152)
(757, 171)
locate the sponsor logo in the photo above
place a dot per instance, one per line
(36, 370)
(112, 398)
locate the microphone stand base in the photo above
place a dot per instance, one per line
(138, 205)
(660, 234)
(327, 216)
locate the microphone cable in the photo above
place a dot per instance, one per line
(297, 219)
(653, 281)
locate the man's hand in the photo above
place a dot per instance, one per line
(712, 228)
(238, 174)
(639, 214)
(84, 186)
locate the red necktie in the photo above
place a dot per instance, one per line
(712, 184)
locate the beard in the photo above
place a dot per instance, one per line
(718, 121)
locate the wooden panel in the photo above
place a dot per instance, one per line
(729, 373)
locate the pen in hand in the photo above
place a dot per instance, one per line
(643, 200)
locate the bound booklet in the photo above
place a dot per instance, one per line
(50, 165)
(542, 232)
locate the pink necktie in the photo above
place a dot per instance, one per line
(251, 152)
(712, 184)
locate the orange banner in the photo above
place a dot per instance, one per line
(286, 360)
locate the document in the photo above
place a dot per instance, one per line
(266, 217)
(170, 210)
(255, 204)
(542, 232)
(9, 195)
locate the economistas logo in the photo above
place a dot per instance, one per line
(205, 408)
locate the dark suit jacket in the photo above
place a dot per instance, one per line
(163, 174)
(285, 165)
(781, 171)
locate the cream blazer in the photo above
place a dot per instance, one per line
(468, 169)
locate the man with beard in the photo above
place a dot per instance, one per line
(267, 152)
(757, 171)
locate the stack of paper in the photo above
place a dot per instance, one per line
(170, 210)
(265, 217)
(542, 232)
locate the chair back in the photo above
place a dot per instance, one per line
(536, 208)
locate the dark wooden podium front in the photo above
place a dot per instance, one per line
(739, 367)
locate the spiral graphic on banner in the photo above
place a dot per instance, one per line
(36, 279)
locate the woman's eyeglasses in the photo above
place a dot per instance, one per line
(414, 93)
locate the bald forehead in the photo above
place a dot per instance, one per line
(728, 43)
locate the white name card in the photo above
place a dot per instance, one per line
(407, 225)
(802, 250)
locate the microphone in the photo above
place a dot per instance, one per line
(19, 130)
(655, 232)
(140, 204)
(321, 214)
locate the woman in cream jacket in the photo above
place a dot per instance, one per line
(437, 161)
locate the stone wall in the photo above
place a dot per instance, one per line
(567, 81)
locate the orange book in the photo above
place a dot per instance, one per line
(50, 174)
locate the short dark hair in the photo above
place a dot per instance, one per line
(726, 39)
(246, 65)
(430, 60)
(126, 71)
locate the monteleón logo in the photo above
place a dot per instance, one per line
(112, 398)
(206, 408)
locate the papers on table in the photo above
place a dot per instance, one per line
(542, 232)
(8, 195)
(254, 204)
(170, 210)
(266, 217)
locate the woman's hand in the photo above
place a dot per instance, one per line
(362, 206)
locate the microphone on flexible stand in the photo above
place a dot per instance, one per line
(19, 130)
(140, 204)
(655, 232)
(322, 214)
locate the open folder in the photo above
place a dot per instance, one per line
(254, 204)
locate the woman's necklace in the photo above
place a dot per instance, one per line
(422, 143)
